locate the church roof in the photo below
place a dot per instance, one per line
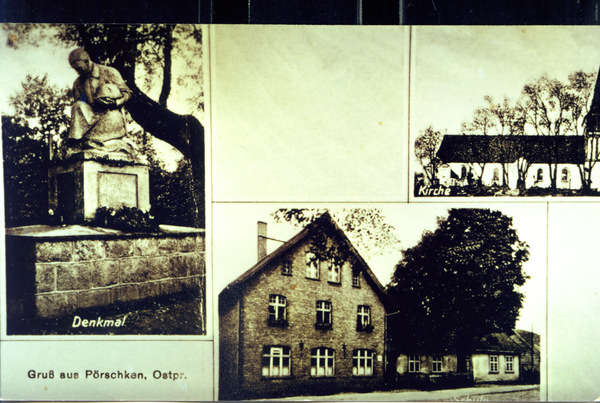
(498, 149)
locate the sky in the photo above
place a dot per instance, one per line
(453, 68)
(235, 241)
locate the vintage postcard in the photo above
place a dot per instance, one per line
(198, 213)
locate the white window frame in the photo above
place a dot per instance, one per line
(334, 272)
(414, 363)
(356, 280)
(363, 316)
(312, 266)
(277, 361)
(509, 363)
(277, 307)
(324, 312)
(494, 364)
(322, 362)
(437, 363)
(362, 362)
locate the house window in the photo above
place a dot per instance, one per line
(509, 363)
(496, 177)
(286, 267)
(362, 362)
(355, 279)
(437, 363)
(493, 363)
(363, 318)
(277, 309)
(539, 177)
(312, 266)
(333, 272)
(414, 363)
(323, 315)
(564, 175)
(322, 361)
(276, 361)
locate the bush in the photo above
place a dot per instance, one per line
(126, 219)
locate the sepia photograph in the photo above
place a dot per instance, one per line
(505, 111)
(316, 213)
(406, 302)
(104, 179)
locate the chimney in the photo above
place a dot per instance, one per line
(262, 240)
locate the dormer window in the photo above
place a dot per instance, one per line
(312, 266)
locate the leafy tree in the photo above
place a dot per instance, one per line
(29, 138)
(25, 174)
(548, 105)
(426, 146)
(581, 87)
(506, 119)
(170, 194)
(142, 53)
(43, 108)
(460, 282)
(366, 229)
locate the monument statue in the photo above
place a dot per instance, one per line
(97, 120)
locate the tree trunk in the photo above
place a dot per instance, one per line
(184, 132)
(552, 171)
(166, 86)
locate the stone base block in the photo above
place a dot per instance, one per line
(87, 181)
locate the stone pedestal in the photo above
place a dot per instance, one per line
(56, 271)
(88, 180)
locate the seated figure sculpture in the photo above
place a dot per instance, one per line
(97, 120)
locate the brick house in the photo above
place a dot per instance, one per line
(295, 324)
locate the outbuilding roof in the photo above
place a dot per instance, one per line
(503, 343)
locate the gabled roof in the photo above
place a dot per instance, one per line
(504, 343)
(232, 291)
(498, 149)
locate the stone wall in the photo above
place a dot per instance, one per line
(229, 343)
(49, 276)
